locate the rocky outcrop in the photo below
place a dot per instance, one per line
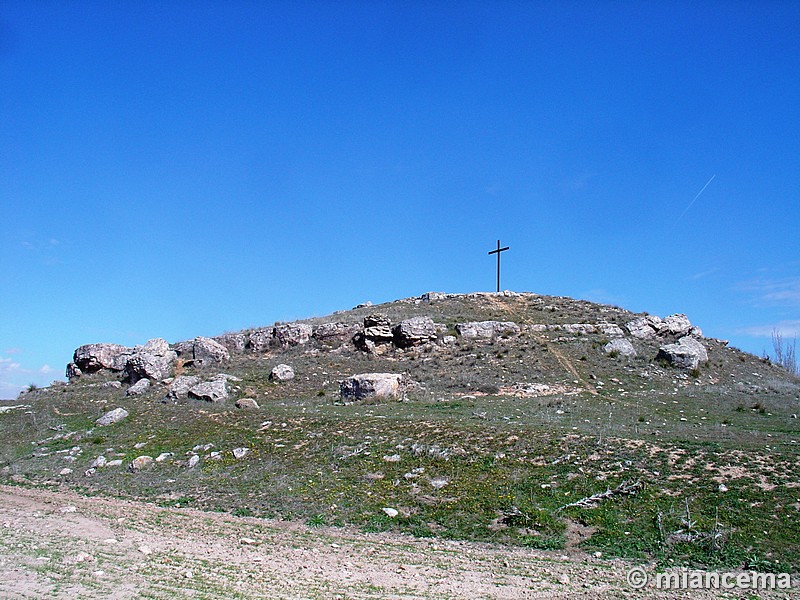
(111, 417)
(180, 386)
(260, 340)
(94, 357)
(431, 297)
(281, 373)
(234, 342)
(649, 326)
(378, 328)
(414, 331)
(210, 391)
(206, 351)
(73, 371)
(291, 334)
(151, 366)
(487, 329)
(687, 353)
(371, 386)
(335, 333)
(620, 347)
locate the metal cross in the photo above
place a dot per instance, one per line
(498, 251)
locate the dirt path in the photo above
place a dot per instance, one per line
(58, 544)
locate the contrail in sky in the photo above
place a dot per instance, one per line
(698, 195)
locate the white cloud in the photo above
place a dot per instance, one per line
(788, 329)
(46, 370)
(784, 291)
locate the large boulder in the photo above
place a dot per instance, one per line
(414, 331)
(687, 353)
(94, 357)
(371, 386)
(487, 329)
(643, 327)
(143, 365)
(431, 297)
(291, 334)
(378, 328)
(207, 351)
(234, 342)
(260, 340)
(281, 373)
(676, 325)
(335, 333)
(73, 371)
(210, 391)
(620, 347)
(180, 386)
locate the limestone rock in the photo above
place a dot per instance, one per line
(246, 403)
(140, 462)
(73, 371)
(138, 388)
(281, 373)
(210, 391)
(610, 329)
(676, 325)
(291, 334)
(234, 342)
(378, 328)
(334, 333)
(193, 460)
(207, 351)
(431, 297)
(151, 366)
(580, 328)
(240, 452)
(94, 357)
(487, 329)
(260, 340)
(180, 386)
(111, 417)
(641, 328)
(371, 385)
(414, 331)
(620, 346)
(687, 353)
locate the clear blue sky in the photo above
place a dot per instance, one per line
(173, 169)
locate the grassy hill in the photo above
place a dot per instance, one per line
(505, 439)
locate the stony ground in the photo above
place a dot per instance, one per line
(59, 544)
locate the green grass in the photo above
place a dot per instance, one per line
(506, 464)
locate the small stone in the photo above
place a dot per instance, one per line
(193, 461)
(240, 452)
(392, 458)
(66, 471)
(248, 542)
(391, 512)
(140, 462)
(163, 456)
(188, 574)
(114, 463)
(68, 509)
(723, 487)
(246, 403)
(111, 417)
(140, 445)
(144, 549)
(281, 373)
(83, 557)
(564, 579)
(89, 472)
(98, 462)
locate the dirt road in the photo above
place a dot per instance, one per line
(58, 544)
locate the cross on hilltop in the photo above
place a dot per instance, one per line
(498, 251)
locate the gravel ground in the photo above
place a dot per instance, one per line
(59, 544)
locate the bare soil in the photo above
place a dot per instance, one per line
(56, 543)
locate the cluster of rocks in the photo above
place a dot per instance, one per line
(379, 334)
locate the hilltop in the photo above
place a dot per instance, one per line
(512, 418)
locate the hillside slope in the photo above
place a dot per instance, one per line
(516, 418)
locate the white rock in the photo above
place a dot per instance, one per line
(240, 452)
(391, 512)
(111, 417)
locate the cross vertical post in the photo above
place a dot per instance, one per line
(498, 251)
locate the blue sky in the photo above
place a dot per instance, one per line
(188, 168)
